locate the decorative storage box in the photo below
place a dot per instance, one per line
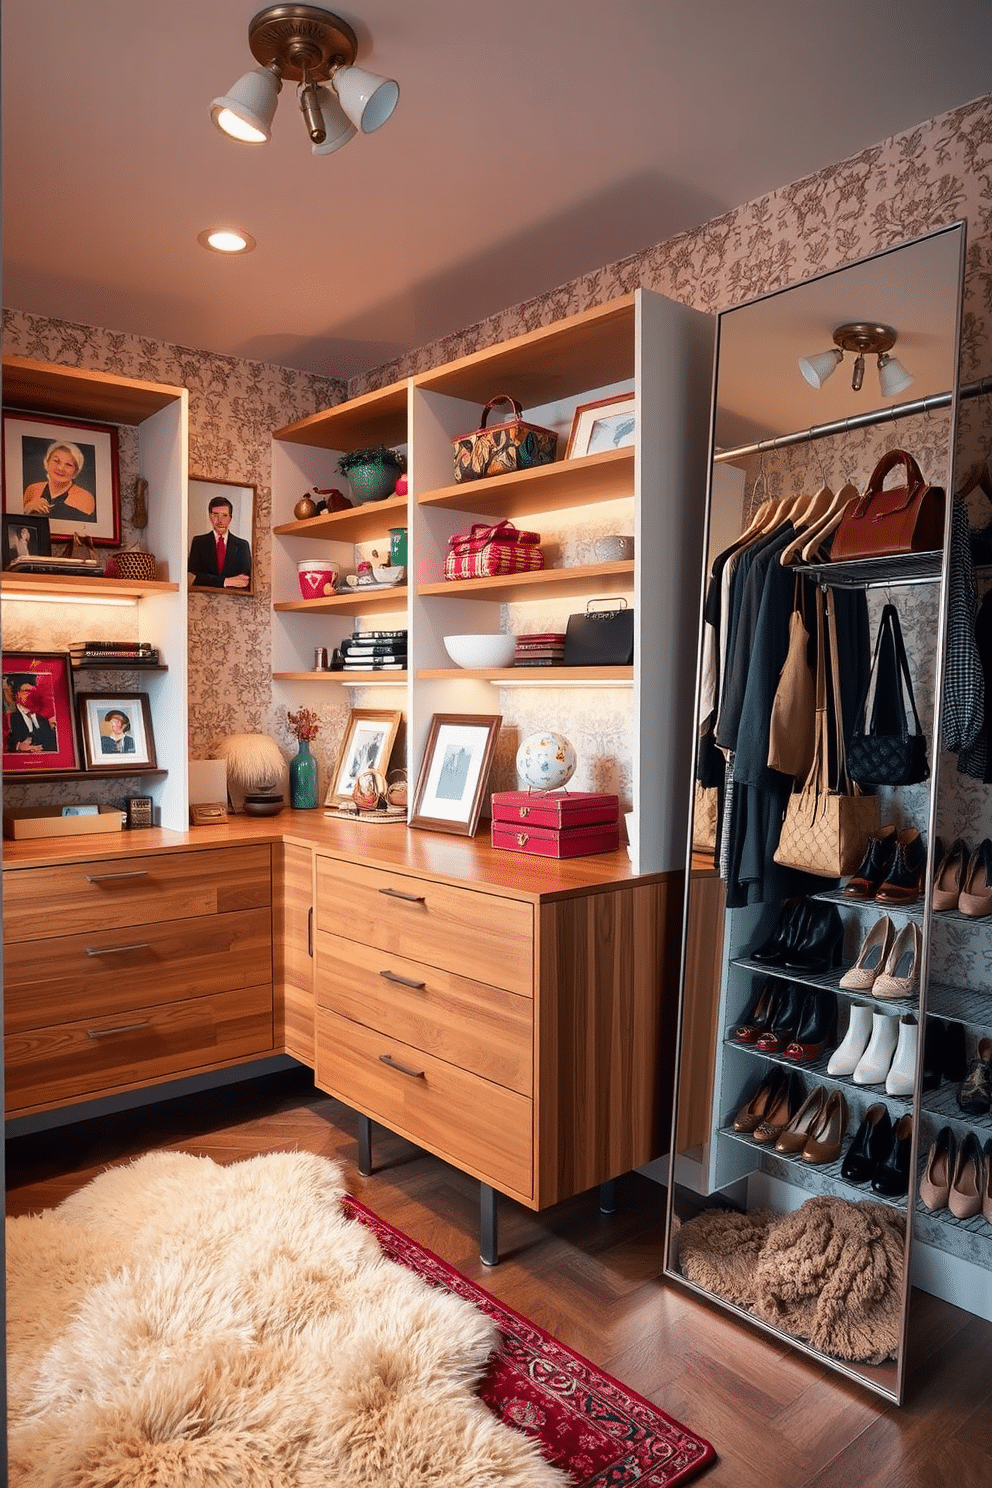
(485, 552)
(556, 824)
(513, 445)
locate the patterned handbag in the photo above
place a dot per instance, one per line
(826, 828)
(486, 552)
(500, 448)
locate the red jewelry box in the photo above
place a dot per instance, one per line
(557, 809)
(555, 842)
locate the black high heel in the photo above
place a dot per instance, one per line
(757, 1016)
(934, 1040)
(817, 1022)
(870, 1143)
(772, 950)
(891, 1177)
(821, 944)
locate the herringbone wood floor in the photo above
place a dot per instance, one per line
(775, 1417)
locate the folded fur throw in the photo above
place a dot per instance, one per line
(181, 1324)
(830, 1272)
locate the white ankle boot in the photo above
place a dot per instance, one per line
(873, 1066)
(844, 1059)
(902, 1071)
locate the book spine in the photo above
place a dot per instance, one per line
(378, 635)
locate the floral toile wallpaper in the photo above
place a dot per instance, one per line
(935, 173)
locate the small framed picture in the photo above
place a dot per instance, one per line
(117, 731)
(604, 425)
(25, 537)
(64, 471)
(39, 725)
(367, 745)
(455, 772)
(222, 537)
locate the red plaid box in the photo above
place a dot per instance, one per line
(485, 552)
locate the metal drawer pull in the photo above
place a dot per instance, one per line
(99, 1033)
(412, 898)
(392, 976)
(403, 1069)
(103, 877)
(139, 945)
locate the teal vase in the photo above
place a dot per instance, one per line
(303, 779)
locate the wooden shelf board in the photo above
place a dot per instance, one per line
(351, 679)
(21, 777)
(76, 392)
(379, 602)
(565, 483)
(623, 676)
(372, 418)
(591, 578)
(355, 525)
(72, 587)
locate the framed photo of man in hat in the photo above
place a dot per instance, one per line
(117, 731)
(39, 726)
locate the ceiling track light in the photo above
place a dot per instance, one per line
(865, 339)
(309, 46)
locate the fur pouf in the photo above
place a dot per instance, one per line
(178, 1324)
(830, 1272)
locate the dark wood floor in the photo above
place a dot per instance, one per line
(774, 1416)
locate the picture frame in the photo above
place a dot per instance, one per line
(44, 681)
(608, 423)
(24, 537)
(202, 573)
(116, 729)
(39, 453)
(367, 744)
(455, 772)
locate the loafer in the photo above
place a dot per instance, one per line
(949, 878)
(872, 957)
(975, 1090)
(905, 878)
(900, 976)
(935, 1185)
(975, 898)
(875, 865)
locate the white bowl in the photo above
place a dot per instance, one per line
(481, 651)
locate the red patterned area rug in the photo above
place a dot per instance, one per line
(586, 1423)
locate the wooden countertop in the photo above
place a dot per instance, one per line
(391, 845)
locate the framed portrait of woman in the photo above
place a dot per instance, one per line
(65, 471)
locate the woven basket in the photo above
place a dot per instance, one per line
(133, 564)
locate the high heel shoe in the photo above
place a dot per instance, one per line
(758, 1014)
(873, 1066)
(817, 1021)
(847, 1056)
(820, 944)
(824, 1142)
(905, 877)
(781, 1112)
(767, 1093)
(875, 865)
(900, 976)
(975, 1091)
(872, 957)
(871, 1142)
(975, 898)
(772, 950)
(987, 1186)
(964, 1198)
(935, 1185)
(792, 1137)
(949, 877)
(902, 1071)
(891, 1177)
(784, 1020)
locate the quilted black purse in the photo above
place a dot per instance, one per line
(883, 751)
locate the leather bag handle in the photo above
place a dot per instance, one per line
(914, 484)
(501, 398)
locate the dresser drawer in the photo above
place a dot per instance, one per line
(96, 1055)
(480, 1127)
(112, 892)
(481, 936)
(481, 1029)
(105, 973)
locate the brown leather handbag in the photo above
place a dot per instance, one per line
(906, 518)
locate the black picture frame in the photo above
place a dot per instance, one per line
(37, 543)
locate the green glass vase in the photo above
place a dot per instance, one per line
(303, 778)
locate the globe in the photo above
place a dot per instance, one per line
(546, 761)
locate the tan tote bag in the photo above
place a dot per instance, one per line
(826, 828)
(792, 728)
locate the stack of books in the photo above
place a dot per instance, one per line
(375, 651)
(113, 653)
(546, 648)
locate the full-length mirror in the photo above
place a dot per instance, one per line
(800, 1133)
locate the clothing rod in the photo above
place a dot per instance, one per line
(856, 421)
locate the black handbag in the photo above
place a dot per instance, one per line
(883, 751)
(600, 637)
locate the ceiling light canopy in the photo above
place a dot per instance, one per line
(864, 338)
(308, 46)
(226, 240)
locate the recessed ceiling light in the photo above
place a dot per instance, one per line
(226, 240)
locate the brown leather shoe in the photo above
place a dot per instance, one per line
(905, 878)
(874, 867)
(793, 1137)
(824, 1141)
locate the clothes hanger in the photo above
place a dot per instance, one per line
(813, 541)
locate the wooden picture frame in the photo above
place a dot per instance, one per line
(40, 736)
(116, 729)
(455, 772)
(203, 494)
(24, 537)
(367, 744)
(608, 423)
(66, 471)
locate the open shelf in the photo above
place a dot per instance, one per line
(358, 524)
(20, 776)
(75, 586)
(590, 579)
(555, 487)
(378, 602)
(351, 679)
(378, 417)
(622, 676)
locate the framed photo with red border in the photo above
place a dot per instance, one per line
(39, 719)
(66, 471)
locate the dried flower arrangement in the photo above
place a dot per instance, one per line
(304, 724)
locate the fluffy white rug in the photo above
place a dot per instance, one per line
(178, 1324)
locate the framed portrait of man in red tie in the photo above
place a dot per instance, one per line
(221, 559)
(39, 726)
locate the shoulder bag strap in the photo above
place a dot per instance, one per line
(892, 615)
